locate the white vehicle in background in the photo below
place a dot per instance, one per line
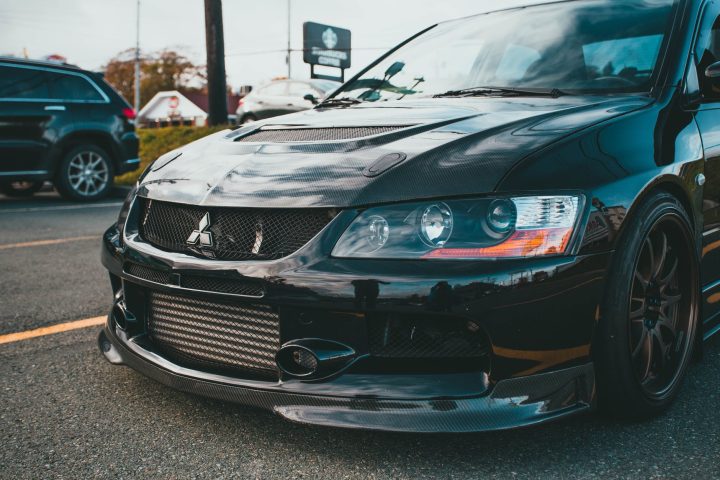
(281, 97)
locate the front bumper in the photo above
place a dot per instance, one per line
(511, 403)
(539, 316)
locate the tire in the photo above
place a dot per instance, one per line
(650, 314)
(92, 183)
(20, 188)
(249, 118)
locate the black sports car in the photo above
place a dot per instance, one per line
(502, 221)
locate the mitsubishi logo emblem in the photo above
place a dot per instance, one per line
(202, 237)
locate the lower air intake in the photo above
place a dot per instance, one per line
(214, 335)
(401, 337)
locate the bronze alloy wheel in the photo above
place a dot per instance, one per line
(660, 308)
(650, 313)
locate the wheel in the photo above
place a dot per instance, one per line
(649, 318)
(85, 173)
(249, 118)
(20, 188)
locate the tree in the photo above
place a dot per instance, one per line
(120, 73)
(163, 70)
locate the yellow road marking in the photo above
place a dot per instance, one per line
(59, 328)
(55, 241)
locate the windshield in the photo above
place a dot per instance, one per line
(588, 46)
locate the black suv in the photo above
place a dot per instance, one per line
(64, 124)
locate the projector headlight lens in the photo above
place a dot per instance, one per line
(436, 224)
(378, 232)
(501, 215)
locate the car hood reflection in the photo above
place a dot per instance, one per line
(448, 147)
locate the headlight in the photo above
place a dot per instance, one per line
(487, 228)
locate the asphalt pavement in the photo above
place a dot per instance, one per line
(66, 413)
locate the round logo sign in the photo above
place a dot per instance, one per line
(329, 38)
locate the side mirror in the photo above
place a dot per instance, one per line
(713, 71)
(311, 98)
(394, 69)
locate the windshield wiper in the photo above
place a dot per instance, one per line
(339, 102)
(503, 92)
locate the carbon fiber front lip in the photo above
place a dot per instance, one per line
(513, 403)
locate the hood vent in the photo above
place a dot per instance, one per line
(284, 135)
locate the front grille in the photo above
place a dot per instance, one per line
(224, 336)
(147, 273)
(247, 288)
(315, 134)
(405, 337)
(237, 233)
(221, 285)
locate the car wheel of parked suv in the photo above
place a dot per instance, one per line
(86, 173)
(650, 320)
(20, 188)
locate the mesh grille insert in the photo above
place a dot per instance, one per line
(197, 282)
(237, 233)
(242, 339)
(221, 285)
(437, 338)
(315, 134)
(147, 273)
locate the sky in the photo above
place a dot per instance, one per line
(90, 32)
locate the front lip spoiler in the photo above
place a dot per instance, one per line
(512, 403)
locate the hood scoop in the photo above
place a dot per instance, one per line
(285, 135)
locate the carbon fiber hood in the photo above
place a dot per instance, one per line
(450, 147)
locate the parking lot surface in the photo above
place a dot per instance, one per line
(66, 413)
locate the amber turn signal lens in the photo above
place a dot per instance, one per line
(522, 243)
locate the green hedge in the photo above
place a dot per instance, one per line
(156, 141)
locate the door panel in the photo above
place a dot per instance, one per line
(271, 100)
(28, 119)
(707, 51)
(296, 96)
(708, 121)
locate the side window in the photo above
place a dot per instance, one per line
(515, 62)
(73, 88)
(274, 89)
(707, 51)
(23, 83)
(298, 89)
(631, 58)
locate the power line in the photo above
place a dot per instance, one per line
(283, 50)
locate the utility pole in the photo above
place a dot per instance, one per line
(136, 103)
(215, 49)
(289, 50)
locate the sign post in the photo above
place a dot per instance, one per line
(327, 46)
